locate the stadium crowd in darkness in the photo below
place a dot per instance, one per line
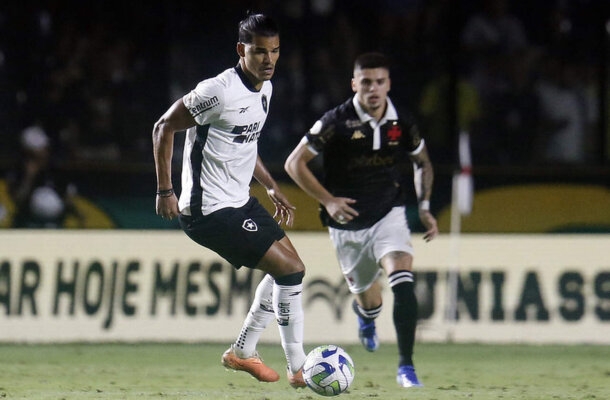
(95, 77)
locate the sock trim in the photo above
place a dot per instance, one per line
(398, 277)
(367, 314)
(291, 279)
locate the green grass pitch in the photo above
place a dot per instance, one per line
(193, 371)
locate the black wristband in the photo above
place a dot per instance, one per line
(165, 193)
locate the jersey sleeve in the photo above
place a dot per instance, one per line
(205, 102)
(321, 132)
(414, 143)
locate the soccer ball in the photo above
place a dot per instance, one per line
(328, 370)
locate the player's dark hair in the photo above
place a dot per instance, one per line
(372, 60)
(257, 25)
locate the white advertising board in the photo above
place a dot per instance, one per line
(71, 285)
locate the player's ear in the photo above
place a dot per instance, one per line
(354, 88)
(241, 49)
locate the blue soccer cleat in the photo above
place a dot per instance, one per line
(366, 331)
(406, 377)
(368, 335)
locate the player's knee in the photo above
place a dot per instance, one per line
(290, 265)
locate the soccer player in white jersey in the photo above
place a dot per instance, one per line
(223, 118)
(362, 143)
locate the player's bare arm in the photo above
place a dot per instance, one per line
(175, 119)
(297, 167)
(424, 178)
(284, 210)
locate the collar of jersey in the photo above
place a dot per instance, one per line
(390, 113)
(244, 79)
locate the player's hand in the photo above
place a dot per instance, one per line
(430, 223)
(284, 210)
(340, 210)
(167, 207)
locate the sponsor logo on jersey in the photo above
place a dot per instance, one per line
(357, 135)
(243, 109)
(374, 161)
(249, 225)
(265, 103)
(353, 123)
(204, 106)
(247, 133)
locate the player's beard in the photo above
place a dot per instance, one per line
(374, 106)
(374, 102)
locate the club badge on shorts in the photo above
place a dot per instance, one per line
(249, 225)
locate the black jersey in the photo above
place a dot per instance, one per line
(361, 159)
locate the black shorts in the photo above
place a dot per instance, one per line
(241, 236)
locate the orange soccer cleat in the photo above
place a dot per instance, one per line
(253, 365)
(296, 380)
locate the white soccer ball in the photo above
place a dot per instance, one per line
(328, 370)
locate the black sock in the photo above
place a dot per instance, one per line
(405, 314)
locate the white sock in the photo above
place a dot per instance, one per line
(289, 313)
(260, 314)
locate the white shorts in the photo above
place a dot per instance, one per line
(359, 251)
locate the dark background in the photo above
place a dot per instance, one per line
(530, 85)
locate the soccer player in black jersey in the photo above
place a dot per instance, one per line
(362, 143)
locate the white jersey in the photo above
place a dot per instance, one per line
(220, 151)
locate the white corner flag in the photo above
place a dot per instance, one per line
(461, 204)
(464, 185)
